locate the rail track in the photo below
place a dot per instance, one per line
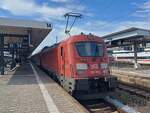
(99, 106)
(134, 96)
(107, 105)
(130, 96)
(145, 93)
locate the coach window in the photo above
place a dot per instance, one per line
(62, 50)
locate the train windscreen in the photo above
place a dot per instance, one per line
(90, 49)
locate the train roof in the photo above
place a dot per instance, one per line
(80, 36)
(47, 48)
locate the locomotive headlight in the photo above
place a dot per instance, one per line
(104, 65)
(81, 66)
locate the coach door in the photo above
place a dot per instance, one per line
(62, 61)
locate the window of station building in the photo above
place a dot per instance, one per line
(127, 48)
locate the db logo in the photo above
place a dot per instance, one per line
(94, 66)
(94, 72)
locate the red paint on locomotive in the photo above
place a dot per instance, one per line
(63, 58)
(79, 60)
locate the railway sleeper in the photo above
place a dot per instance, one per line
(136, 91)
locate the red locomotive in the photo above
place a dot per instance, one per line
(80, 65)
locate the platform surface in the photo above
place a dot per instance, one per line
(21, 92)
(143, 72)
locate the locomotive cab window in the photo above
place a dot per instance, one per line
(90, 49)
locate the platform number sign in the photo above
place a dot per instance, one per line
(48, 24)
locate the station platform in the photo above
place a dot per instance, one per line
(137, 77)
(29, 90)
(141, 72)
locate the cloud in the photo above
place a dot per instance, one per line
(61, 1)
(30, 7)
(146, 5)
(18, 7)
(143, 10)
(41, 11)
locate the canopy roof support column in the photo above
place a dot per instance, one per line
(13, 58)
(136, 65)
(2, 55)
(29, 41)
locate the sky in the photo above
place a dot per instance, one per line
(99, 17)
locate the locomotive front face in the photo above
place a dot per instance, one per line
(92, 75)
(80, 65)
(91, 60)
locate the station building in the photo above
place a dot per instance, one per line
(19, 38)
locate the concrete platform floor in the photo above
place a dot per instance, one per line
(22, 91)
(139, 78)
(142, 72)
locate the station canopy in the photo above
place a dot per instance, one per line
(128, 37)
(132, 36)
(17, 31)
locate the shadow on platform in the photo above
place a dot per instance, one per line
(23, 76)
